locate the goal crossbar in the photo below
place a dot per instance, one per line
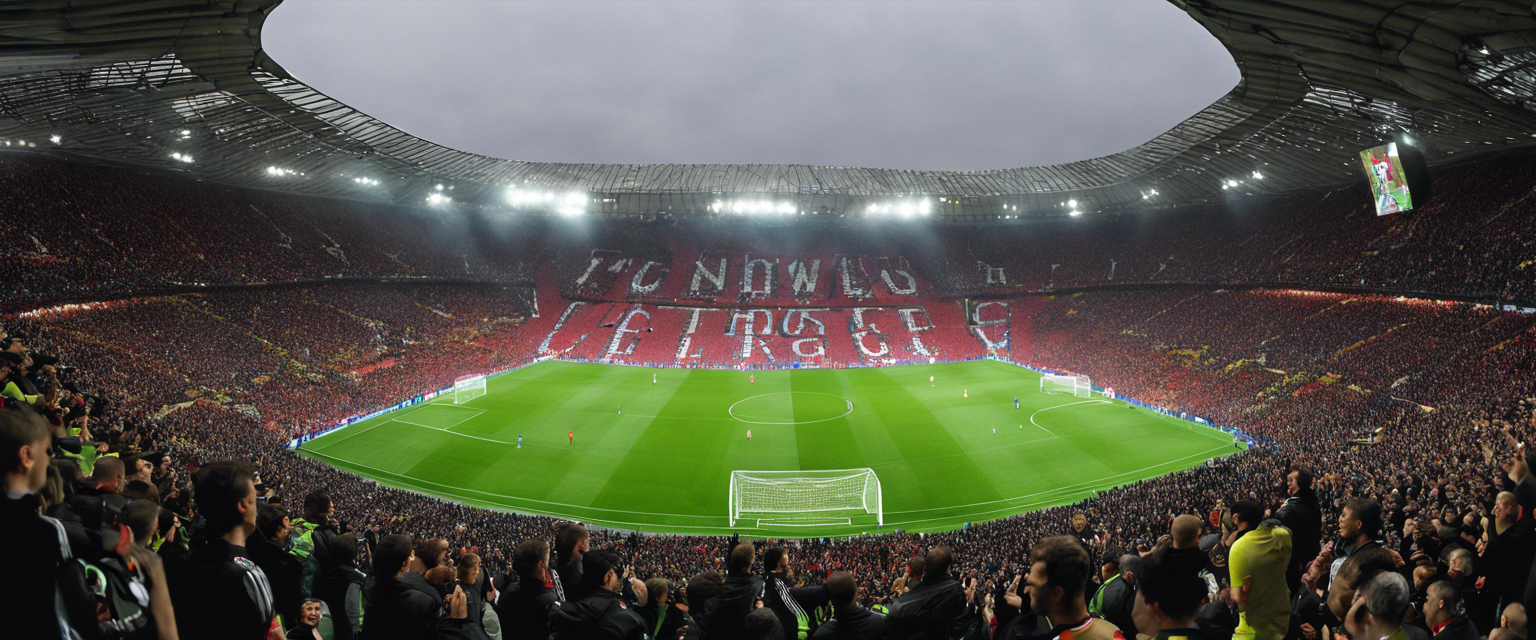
(468, 388)
(792, 492)
(1080, 386)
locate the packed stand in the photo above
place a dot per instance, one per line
(1401, 416)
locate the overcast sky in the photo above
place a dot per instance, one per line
(907, 85)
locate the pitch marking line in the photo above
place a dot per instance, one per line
(358, 432)
(1070, 487)
(517, 498)
(1032, 415)
(731, 409)
(453, 496)
(433, 426)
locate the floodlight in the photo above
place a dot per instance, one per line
(1072, 203)
(573, 204)
(55, 139)
(435, 199)
(1074, 213)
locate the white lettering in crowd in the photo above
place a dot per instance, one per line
(637, 286)
(701, 273)
(994, 275)
(749, 278)
(909, 318)
(980, 327)
(910, 288)
(802, 280)
(618, 334)
(859, 331)
(570, 310)
(850, 268)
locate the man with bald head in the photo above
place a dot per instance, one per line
(1511, 624)
(107, 476)
(1186, 531)
(1184, 550)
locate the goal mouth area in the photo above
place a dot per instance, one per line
(782, 520)
(828, 497)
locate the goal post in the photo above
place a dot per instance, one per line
(1079, 386)
(468, 388)
(797, 493)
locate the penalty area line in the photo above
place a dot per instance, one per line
(1032, 415)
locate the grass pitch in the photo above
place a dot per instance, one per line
(664, 463)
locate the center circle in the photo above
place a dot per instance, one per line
(790, 407)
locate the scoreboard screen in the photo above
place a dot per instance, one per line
(1389, 182)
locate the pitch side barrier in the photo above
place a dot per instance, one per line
(430, 395)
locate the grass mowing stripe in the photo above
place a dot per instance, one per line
(822, 443)
(917, 434)
(664, 464)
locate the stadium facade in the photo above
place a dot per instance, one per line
(187, 87)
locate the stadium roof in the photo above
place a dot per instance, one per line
(184, 85)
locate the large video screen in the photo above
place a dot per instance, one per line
(1388, 181)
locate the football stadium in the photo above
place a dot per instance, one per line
(273, 367)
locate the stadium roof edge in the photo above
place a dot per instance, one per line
(186, 87)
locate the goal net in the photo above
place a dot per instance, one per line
(812, 497)
(468, 388)
(1079, 386)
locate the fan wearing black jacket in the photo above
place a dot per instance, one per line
(404, 607)
(340, 586)
(936, 607)
(601, 613)
(36, 600)
(218, 592)
(851, 621)
(570, 543)
(795, 607)
(525, 606)
(268, 548)
(724, 614)
(1301, 514)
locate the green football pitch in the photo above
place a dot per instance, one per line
(946, 454)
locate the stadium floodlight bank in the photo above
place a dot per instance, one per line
(1079, 386)
(468, 388)
(805, 498)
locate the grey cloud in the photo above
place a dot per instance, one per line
(914, 85)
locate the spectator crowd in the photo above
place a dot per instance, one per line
(150, 494)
